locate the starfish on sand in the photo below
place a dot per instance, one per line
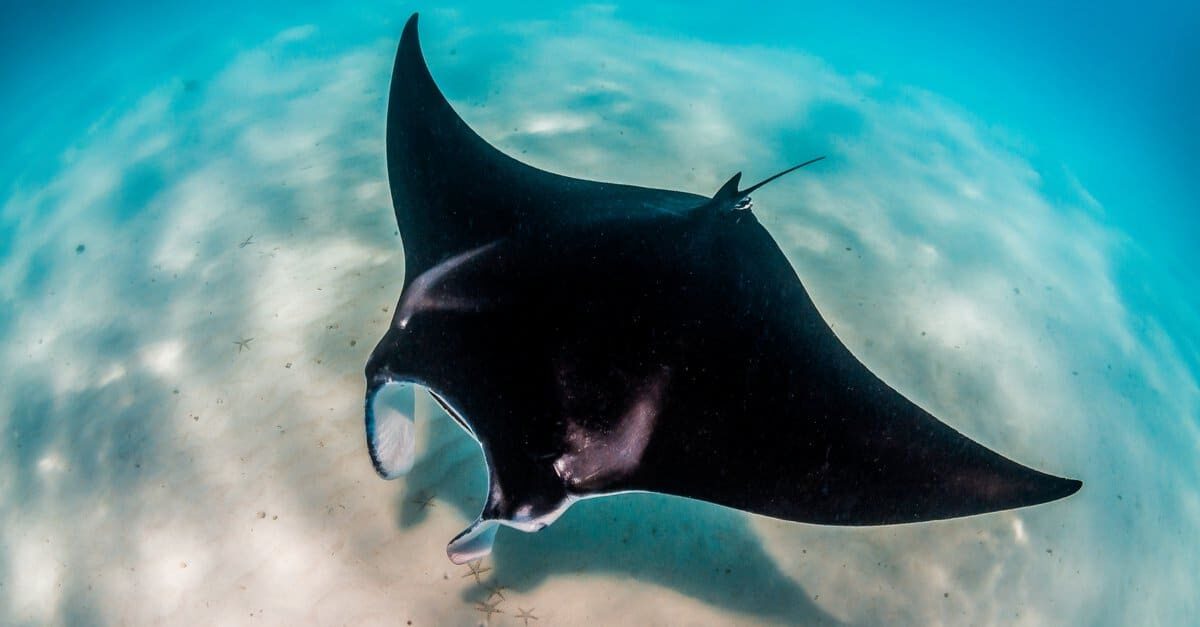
(477, 569)
(496, 590)
(526, 615)
(489, 609)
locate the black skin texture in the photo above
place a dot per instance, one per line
(584, 301)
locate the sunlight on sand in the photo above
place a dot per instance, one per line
(182, 408)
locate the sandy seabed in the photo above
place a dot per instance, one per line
(190, 301)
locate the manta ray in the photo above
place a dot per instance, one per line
(598, 338)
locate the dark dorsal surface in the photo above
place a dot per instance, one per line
(598, 338)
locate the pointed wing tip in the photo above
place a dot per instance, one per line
(1049, 488)
(1067, 487)
(410, 40)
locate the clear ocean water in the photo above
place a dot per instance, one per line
(197, 249)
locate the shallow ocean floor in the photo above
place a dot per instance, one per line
(191, 298)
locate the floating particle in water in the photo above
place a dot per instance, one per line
(79, 249)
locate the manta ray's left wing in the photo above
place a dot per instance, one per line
(452, 191)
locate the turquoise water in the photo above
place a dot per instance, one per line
(1003, 230)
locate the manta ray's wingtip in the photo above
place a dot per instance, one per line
(410, 41)
(1069, 487)
(1056, 488)
(1053, 487)
(1040, 488)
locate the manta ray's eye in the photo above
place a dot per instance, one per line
(745, 204)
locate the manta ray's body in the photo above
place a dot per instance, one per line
(598, 338)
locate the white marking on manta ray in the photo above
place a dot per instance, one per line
(600, 456)
(420, 296)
